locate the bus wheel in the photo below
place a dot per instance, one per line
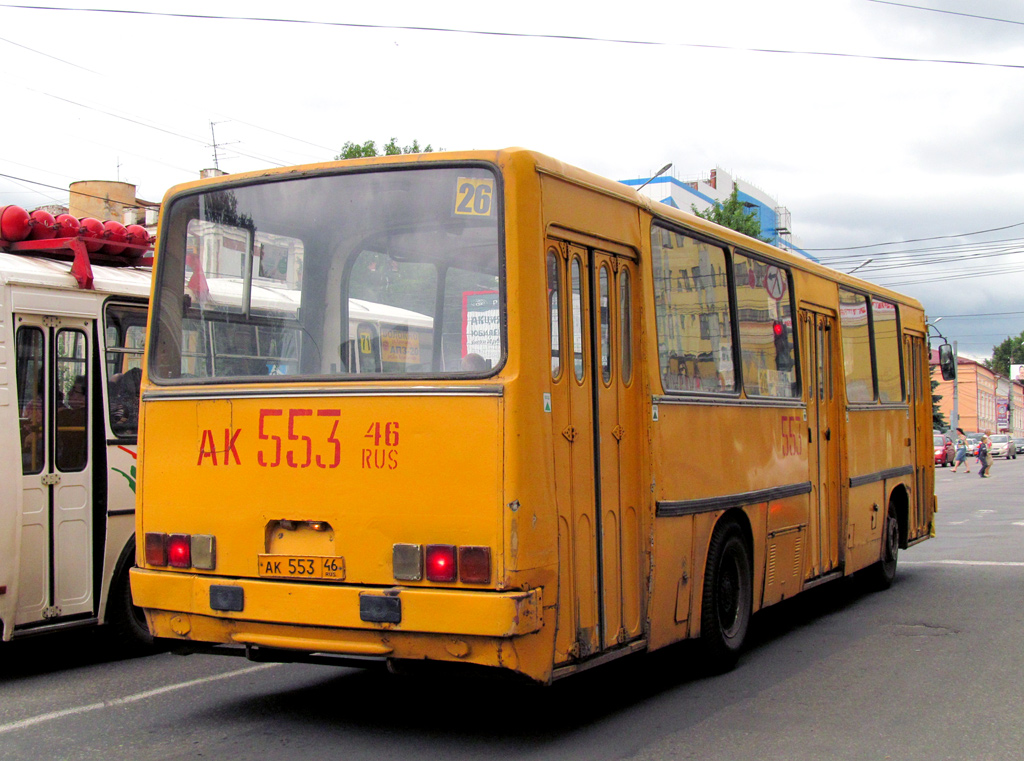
(728, 597)
(130, 632)
(882, 573)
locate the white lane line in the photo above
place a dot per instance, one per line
(1008, 563)
(32, 721)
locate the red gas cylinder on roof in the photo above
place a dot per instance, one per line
(14, 223)
(44, 226)
(137, 234)
(93, 234)
(116, 236)
(67, 226)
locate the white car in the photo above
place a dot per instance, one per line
(1002, 446)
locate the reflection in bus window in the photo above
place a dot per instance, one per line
(125, 337)
(626, 325)
(31, 374)
(256, 288)
(765, 317)
(605, 325)
(577, 320)
(72, 393)
(694, 325)
(853, 319)
(554, 310)
(887, 351)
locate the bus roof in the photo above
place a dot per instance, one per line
(546, 165)
(39, 271)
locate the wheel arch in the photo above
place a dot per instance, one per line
(124, 563)
(899, 499)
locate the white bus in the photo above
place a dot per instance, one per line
(71, 339)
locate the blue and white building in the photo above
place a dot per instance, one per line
(717, 186)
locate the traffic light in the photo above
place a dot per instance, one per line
(783, 348)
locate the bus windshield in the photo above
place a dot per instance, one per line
(387, 273)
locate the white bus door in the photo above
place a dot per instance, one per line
(54, 371)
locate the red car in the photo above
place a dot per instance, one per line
(945, 452)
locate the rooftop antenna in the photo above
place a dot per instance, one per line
(656, 176)
(215, 146)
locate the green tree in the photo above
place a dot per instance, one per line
(368, 149)
(733, 214)
(1009, 352)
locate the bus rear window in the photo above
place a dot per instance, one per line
(383, 273)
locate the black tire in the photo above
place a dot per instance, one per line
(728, 597)
(127, 622)
(882, 574)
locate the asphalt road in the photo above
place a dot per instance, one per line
(930, 669)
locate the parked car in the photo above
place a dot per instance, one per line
(945, 452)
(972, 446)
(1002, 446)
(1019, 443)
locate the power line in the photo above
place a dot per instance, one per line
(914, 240)
(519, 35)
(65, 190)
(951, 13)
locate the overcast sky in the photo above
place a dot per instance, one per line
(872, 122)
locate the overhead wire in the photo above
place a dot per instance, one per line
(510, 34)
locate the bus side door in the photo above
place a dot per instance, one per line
(824, 536)
(54, 371)
(916, 354)
(597, 441)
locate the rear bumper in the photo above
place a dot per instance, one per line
(167, 596)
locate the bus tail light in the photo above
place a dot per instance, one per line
(182, 550)
(204, 551)
(407, 562)
(179, 550)
(444, 563)
(156, 549)
(475, 565)
(441, 562)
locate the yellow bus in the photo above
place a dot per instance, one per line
(576, 423)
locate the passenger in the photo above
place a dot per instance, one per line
(474, 363)
(124, 401)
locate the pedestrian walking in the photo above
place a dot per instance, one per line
(985, 455)
(961, 453)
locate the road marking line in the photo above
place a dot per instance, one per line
(33, 720)
(1009, 563)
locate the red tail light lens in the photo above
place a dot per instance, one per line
(475, 565)
(156, 549)
(179, 550)
(440, 562)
